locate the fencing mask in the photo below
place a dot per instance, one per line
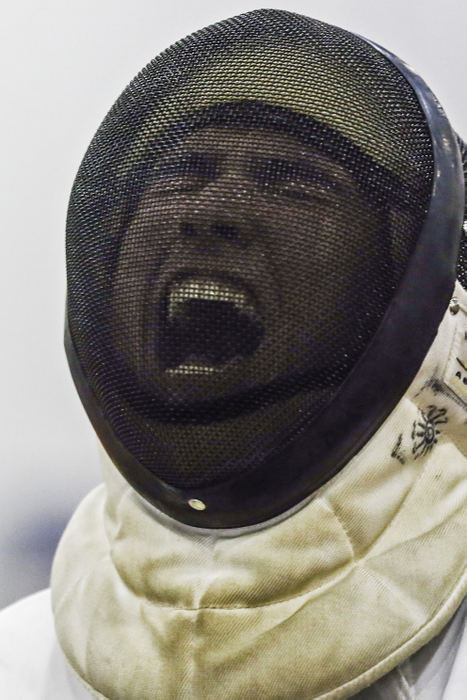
(261, 243)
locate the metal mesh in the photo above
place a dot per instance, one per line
(462, 259)
(236, 232)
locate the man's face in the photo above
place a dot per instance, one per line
(229, 259)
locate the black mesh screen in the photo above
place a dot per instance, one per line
(236, 232)
(462, 259)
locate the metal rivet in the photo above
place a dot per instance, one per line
(454, 305)
(196, 504)
(464, 227)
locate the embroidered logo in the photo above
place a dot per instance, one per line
(461, 373)
(455, 374)
(396, 453)
(425, 432)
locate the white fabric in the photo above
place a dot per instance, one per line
(457, 682)
(319, 605)
(431, 673)
(32, 666)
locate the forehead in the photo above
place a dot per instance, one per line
(247, 139)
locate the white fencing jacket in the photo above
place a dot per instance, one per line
(33, 667)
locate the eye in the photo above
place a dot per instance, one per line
(309, 187)
(294, 179)
(187, 172)
(268, 172)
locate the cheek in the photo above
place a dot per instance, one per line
(322, 250)
(307, 241)
(149, 238)
(144, 248)
(157, 219)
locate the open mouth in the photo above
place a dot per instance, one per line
(208, 323)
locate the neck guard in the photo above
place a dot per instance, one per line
(318, 605)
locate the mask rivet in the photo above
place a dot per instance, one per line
(454, 305)
(196, 504)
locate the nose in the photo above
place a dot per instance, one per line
(222, 211)
(216, 229)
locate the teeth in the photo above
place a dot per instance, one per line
(209, 289)
(193, 369)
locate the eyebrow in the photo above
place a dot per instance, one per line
(280, 170)
(190, 162)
